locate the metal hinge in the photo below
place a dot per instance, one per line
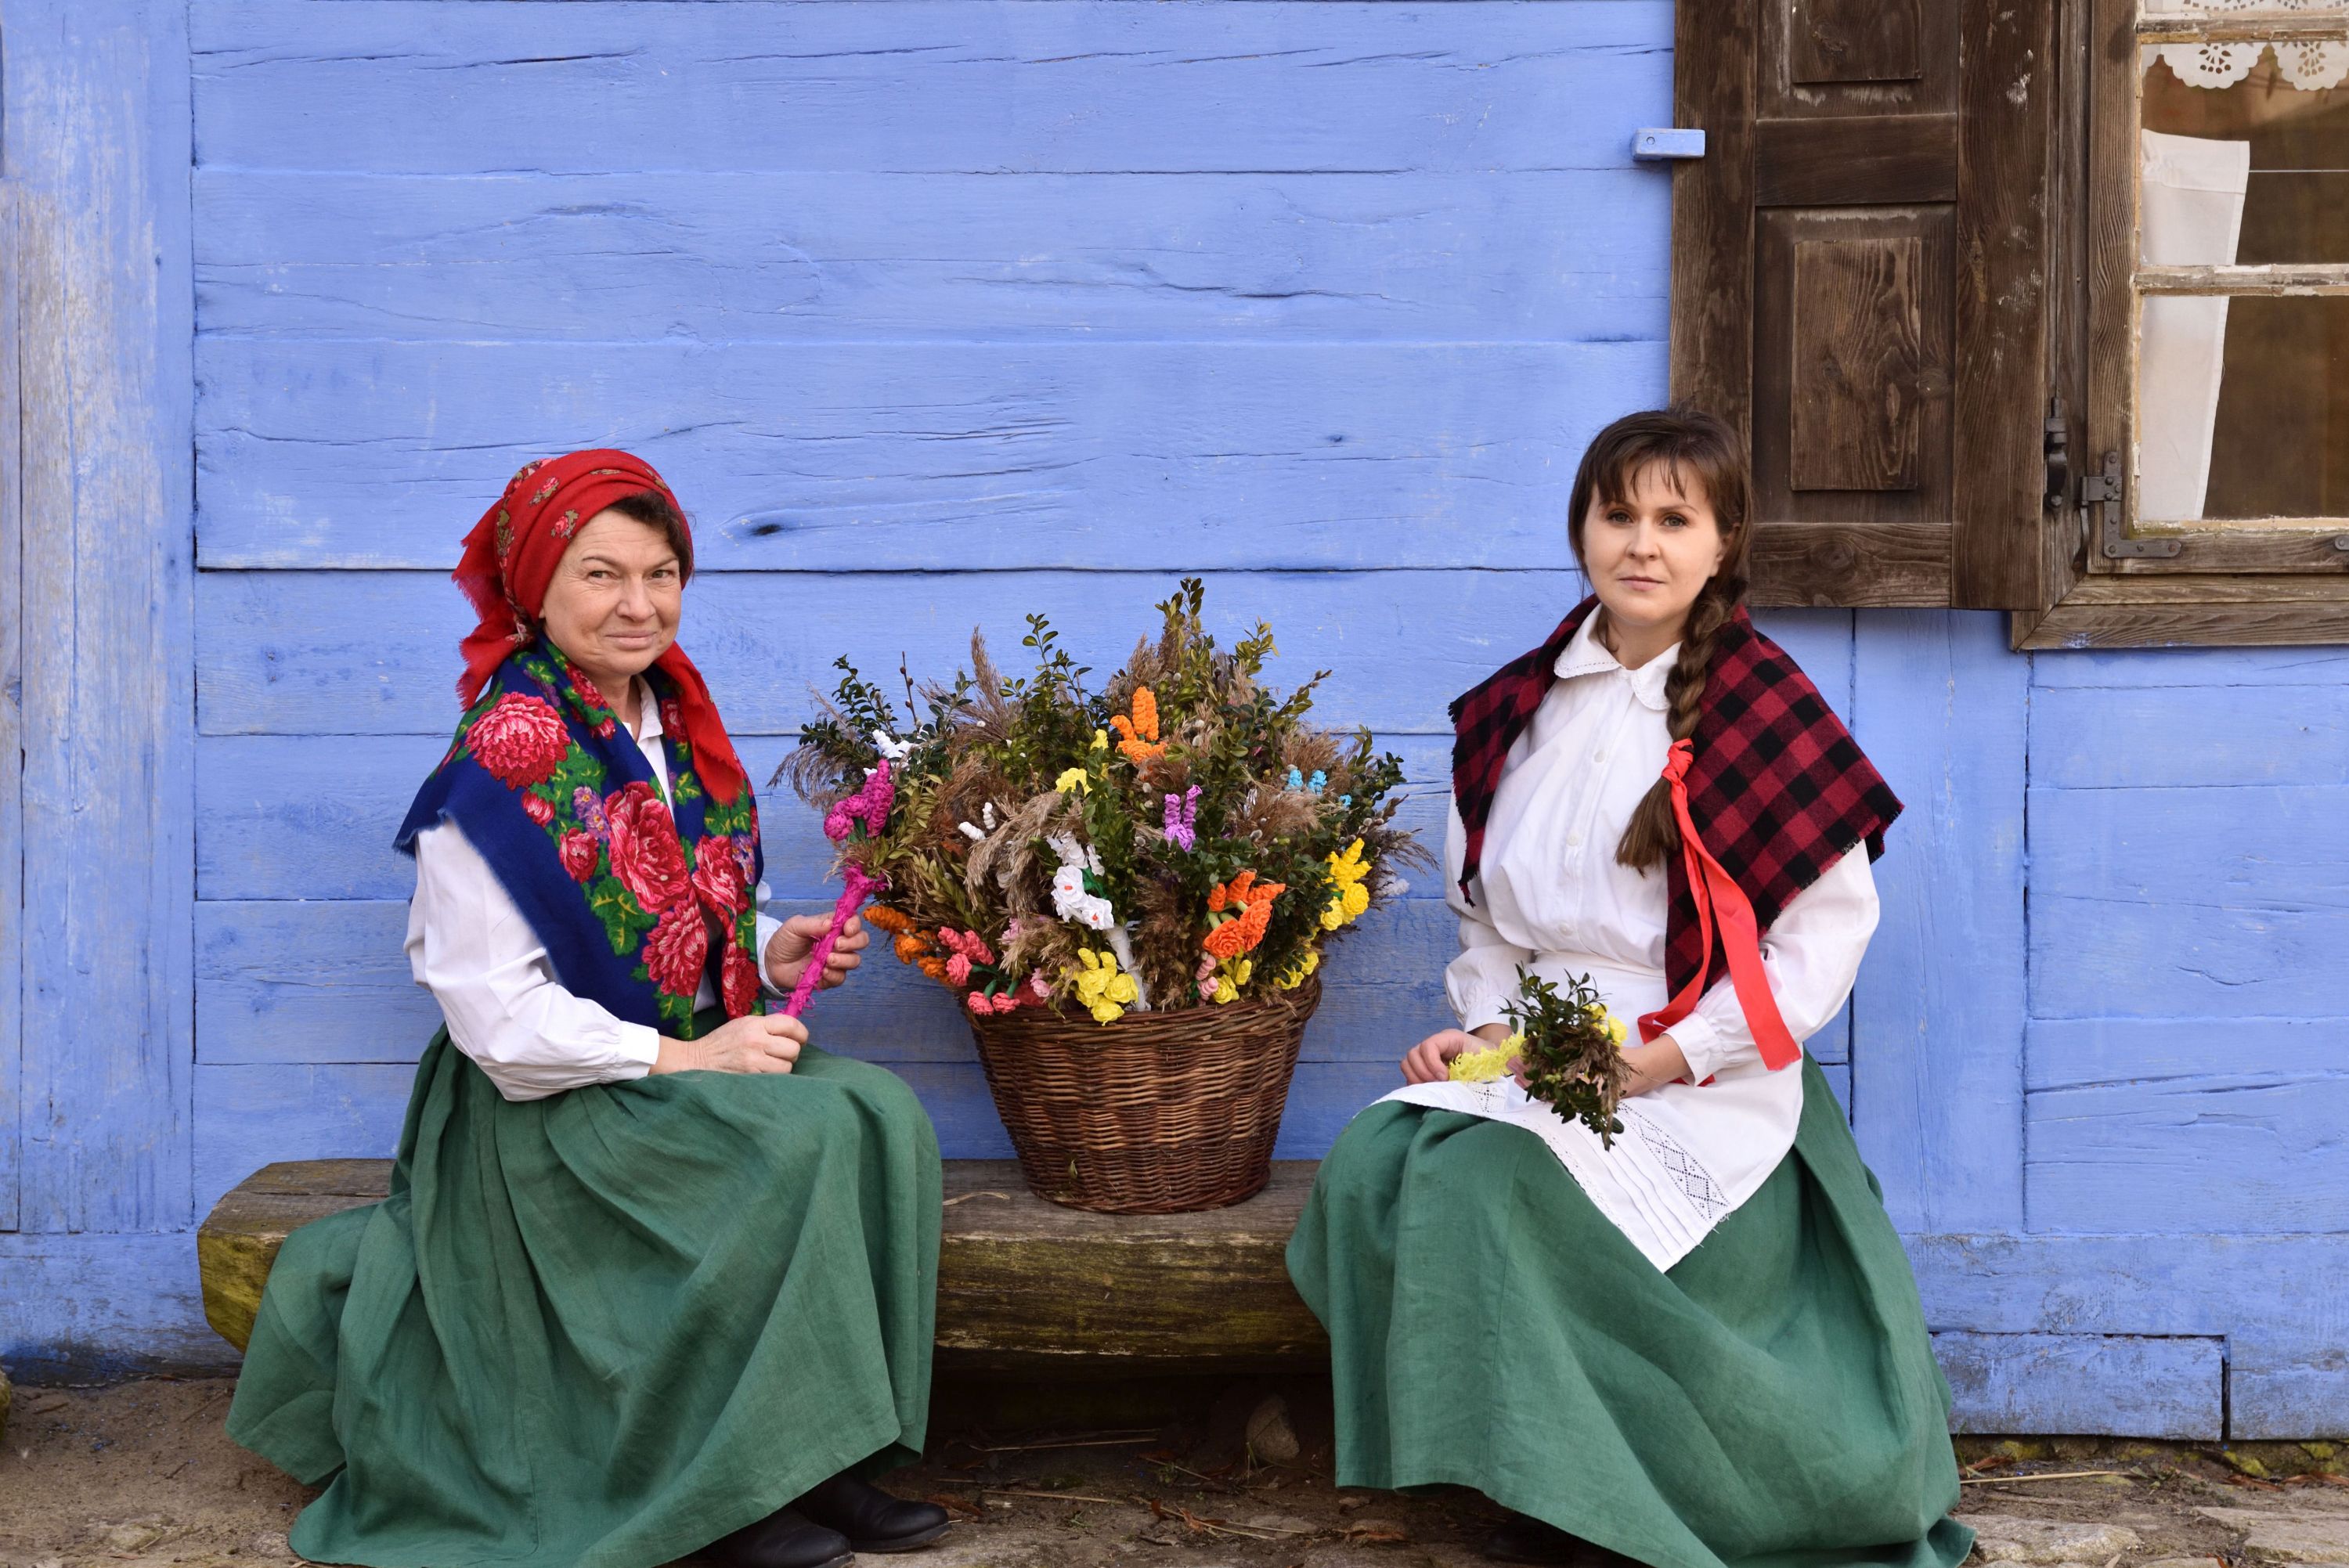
(2105, 490)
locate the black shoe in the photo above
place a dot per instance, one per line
(784, 1539)
(1523, 1539)
(870, 1519)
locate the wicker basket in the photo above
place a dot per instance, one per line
(1157, 1113)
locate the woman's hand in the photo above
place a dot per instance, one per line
(788, 950)
(1653, 1065)
(1430, 1061)
(756, 1043)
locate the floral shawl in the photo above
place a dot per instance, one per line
(633, 898)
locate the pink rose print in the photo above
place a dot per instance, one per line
(738, 982)
(537, 807)
(677, 949)
(580, 853)
(521, 742)
(646, 855)
(718, 878)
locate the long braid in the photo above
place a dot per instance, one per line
(1653, 837)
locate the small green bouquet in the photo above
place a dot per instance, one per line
(1568, 1046)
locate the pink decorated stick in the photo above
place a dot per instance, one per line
(868, 809)
(852, 899)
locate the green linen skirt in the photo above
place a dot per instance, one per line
(1771, 1401)
(606, 1328)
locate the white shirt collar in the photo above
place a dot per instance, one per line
(1584, 655)
(649, 715)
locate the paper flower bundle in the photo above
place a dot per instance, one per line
(1570, 1048)
(1181, 838)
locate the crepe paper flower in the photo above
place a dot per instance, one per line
(1353, 895)
(1072, 779)
(911, 948)
(1249, 904)
(981, 1004)
(1232, 977)
(868, 808)
(1486, 1066)
(1101, 740)
(1296, 779)
(1041, 987)
(1319, 782)
(897, 922)
(1183, 818)
(1297, 973)
(968, 949)
(1140, 741)
(972, 831)
(1102, 989)
(891, 748)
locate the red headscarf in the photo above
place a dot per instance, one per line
(509, 558)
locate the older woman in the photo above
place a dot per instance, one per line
(656, 1275)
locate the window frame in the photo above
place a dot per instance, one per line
(2236, 584)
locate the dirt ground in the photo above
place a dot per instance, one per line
(142, 1474)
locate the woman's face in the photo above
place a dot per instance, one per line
(1650, 555)
(614, 603)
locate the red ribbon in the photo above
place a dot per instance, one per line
(1718, 896)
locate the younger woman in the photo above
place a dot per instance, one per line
(1702, 1346)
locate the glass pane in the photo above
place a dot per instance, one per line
(2243, 408)
(2246, 152)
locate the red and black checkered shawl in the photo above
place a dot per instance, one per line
(1777, 788)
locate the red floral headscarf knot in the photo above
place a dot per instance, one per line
(511, 556)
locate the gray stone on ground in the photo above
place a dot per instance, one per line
(2000, 1539)
(1272, 1440)
(2298, 1535)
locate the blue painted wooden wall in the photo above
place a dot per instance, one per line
(938, 313)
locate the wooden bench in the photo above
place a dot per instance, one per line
(1023, 1286)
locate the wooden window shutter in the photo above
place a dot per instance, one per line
(1860, 281)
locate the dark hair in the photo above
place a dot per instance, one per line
(1689, 444)
(655, 509)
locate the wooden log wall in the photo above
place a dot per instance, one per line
(935, 313)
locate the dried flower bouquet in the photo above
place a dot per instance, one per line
(1181, 839)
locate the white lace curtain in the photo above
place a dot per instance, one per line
(2310, 67)
(2191, 215)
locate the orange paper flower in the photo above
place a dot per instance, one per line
(1141, 732)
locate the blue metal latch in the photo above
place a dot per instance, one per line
(1663, 142)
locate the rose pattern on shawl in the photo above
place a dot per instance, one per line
(676, 949)
(718, 878)
(538, 808)
(580, 853)
(521, 740)
(737, 981)
(647, 855)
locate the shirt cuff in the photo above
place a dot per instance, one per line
(767, 926)
(638, 1048)
(1482, 1009)
(1700, 1041)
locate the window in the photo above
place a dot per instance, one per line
(2039, 305)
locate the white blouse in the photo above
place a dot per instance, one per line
(1550, 895)
(470, 948)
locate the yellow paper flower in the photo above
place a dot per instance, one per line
(1489, 1064)
(1101, 740)
(1297, 971)
(1225, 990)
(1351, 896)
(1072, 779)
(1616, 1032)
(1104, 989)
